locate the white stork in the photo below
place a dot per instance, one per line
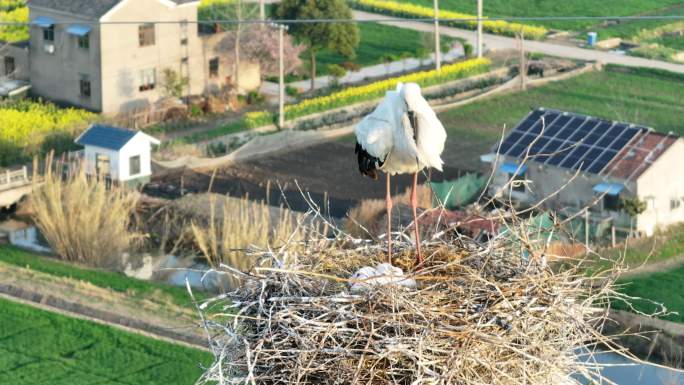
(402, 135)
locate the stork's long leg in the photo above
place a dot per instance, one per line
(414, 205)
(388, 205)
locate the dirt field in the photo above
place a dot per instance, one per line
(327, 169)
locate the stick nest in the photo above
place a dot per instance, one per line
(481, 314)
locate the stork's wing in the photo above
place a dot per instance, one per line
(375, 133)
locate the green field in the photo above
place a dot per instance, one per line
(147, 290)
(40, 347)
(642, 31)
(649, 97)
(378, 42)
(664, 287)
(538, 8)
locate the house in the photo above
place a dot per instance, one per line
(567, 162)
(110, 55)
(117, 154)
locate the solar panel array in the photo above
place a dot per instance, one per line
(568, 140)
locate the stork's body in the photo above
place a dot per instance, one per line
(401, 136)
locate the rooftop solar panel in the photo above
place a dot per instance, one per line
(568, 140)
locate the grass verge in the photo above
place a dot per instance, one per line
(43, 347)
(662, 287)
(152, 291)
(643, 96)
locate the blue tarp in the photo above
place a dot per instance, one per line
(609, 188)
(512, 168)
(43, 21)
(78, 30)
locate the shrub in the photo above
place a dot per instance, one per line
(467, 49)
(82, 219)
(370, 91)
(216, 149)
(291, 91)
(12, 33)
(498, 27)
(26, 125)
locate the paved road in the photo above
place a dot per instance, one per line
(370, 72)
(548, 48)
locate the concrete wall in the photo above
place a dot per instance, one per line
(661, 183)
(20, 54)
(550, 181)
(56, 76)
(139, 145)
(123, 59)
(249, 73)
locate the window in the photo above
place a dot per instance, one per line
(9, 65)
(49, 34)
(214, 67)
(148, 79)
(134, 165)
(49, 39)
(146, 34)
(675, 203)
(84, 85)
(84, 41)
(611, 202)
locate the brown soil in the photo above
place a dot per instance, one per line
(323, 170)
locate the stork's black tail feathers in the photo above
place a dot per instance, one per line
(368, 164)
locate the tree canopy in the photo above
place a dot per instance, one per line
(342, 38)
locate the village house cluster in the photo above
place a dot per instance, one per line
(110, 55)
(567, 162)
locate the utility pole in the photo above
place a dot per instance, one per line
(281, 78)
(438, 53)
(523, 63)
(480, 43)
(262, 11)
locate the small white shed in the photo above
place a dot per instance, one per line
(117, 153)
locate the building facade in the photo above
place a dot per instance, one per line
(110, 55)
(568, 162)
(117, 154)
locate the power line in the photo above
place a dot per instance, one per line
(378, 20)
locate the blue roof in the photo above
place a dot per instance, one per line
(609, 188)
(112, 138)
(78, 30)
(43, 21)
(512, 168)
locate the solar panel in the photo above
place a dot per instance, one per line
(568, 140)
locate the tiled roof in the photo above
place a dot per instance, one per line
(112, 138)
(89, 8)
(639, 154)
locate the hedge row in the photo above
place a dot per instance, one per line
(498, 27)
(370, 91)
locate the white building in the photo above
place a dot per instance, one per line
(569, 162)
(118, 154)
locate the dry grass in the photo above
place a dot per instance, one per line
(82, 219)
(483, 313)
(362, 219)
(232, 225)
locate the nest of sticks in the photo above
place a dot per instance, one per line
(480, 314)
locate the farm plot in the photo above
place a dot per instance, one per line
(48, 348)
(648, 97)
(538, 8)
